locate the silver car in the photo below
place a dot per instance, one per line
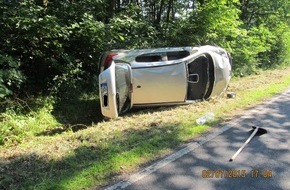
(162, 76)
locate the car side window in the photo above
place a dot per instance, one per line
(162, 56)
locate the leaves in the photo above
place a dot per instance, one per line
(10, 76)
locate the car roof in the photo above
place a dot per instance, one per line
(129, 56)
(152, 50)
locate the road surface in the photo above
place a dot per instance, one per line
(204, 164)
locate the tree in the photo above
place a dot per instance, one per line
(272, 18)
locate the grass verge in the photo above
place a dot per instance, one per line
(66, 145)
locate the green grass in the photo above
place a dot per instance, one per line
(66, 145)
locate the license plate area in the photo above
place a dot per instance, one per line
(104, 92)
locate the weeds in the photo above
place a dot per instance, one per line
(25, 119)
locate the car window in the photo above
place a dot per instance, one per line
(177, 55)
(162, 56)
(149, 58)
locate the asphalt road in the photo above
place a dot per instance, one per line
(204, 164)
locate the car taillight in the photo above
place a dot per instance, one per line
(108, 60)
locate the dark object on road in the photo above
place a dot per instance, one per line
(260, 132)
(231, 95)
(257, 130)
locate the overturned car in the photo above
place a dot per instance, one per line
(162, 76)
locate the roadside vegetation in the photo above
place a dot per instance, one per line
(52, 134)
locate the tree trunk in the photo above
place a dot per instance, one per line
(159, 12)
(110, 10)
(170, 5)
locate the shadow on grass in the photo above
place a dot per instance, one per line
(78, 114)
(78, 111)
(75, 114)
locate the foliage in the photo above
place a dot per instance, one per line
(10, 75)
(36, 40)
(218, 22)
(267, 21)
(284, 55)
(248, 47)
(51, 40)
(132, 30)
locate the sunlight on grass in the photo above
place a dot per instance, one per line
(15, 127)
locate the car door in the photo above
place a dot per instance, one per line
(115, 89)
(159, 84)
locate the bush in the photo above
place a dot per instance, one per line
(10, 76)
(248, 48)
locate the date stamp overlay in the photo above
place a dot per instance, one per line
(233, 173)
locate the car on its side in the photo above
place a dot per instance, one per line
(161, 76)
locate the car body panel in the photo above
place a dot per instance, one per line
(159, 84)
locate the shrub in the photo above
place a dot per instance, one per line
(10, 76)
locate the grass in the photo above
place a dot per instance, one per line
(67, 145)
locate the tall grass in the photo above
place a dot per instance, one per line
(25, 119)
